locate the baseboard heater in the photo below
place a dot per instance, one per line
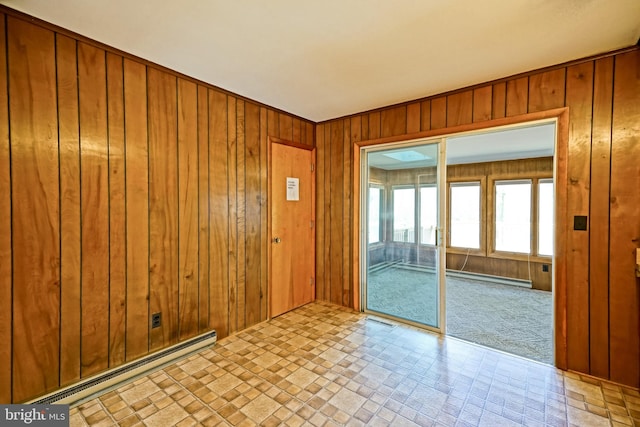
(490, 278)
(97, 384)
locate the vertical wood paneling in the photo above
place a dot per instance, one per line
(599, 218)
(517, 96)
(117, 211)
(203, 208)
(264, 241)
(394, 121)
(346, 212)
(374, 125)
(232, 248)
(439, 112)
(460, 108)
(321, 247)
(296, 133)
(35, 209)
(337, 205)
(219, 217)
(579, 92)
(94, 168)
(163, 206)
(425, 115)
(5, 227)
(188, 209)
(413, 117)
(499, 100)
(285, 126)
(310, 134)
(137, 202)
(482, 104)
(364, 125)
(252, 213)
(70, 253)
(241, 215)
(625, 226)
(546, 90)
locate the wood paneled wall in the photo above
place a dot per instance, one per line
(603, 97)
(125, 190)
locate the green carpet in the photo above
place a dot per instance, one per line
(509, 318)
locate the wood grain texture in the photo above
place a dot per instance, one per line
(547, 90)
(296, 134)
(188, 162)
(337, 212)
(253, 250)
(163, 206)
(413, 118)
(264, 219)
(599, 219)
(346, 211)
(241, 215)
(285, 129)
(517, 96)
(70, 251)
(117, 211)
(35, 209)
(232, 248)
(321, 226)
(482, 104)
(5, 227)
(460, 108)
(625, 232)
(374, 125)
(425, 115)
(499, 100)
(393, 121)
(579, 92)
(439, 112)
(203, 208)
(219, 215)
(137, 201)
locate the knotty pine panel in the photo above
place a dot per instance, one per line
(188, 315)
(117, 211)
(204, 211)
(393, 121)
(600, 277)
(240, 216)
(336, 214)
(460, 108)
(70, 237)
(35, 212)
(5, 227)
(232, 175)
(413, 117)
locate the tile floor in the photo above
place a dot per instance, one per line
(323, 365)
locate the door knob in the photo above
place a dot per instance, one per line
(276, 240)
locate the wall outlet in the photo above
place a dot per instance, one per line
(156, 320)
(545, 268)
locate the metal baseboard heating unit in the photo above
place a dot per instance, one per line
(87, 388)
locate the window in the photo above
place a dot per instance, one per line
(428, 214)
(545, 217)
(513, 216)
(375, 203)
(465, 215)
(404, 202)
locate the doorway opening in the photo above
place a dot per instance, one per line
(463, 244)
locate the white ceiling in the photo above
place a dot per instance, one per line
(524, 142)
(329, 58)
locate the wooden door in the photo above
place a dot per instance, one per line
(292, 227)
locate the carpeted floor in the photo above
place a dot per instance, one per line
(508, 318)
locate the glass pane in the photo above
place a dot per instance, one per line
(404, 202)
(428, 214)
(513, 216)
(375, 194)
(545, 218)
(465, 215)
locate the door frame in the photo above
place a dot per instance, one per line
(273, 140)
(559, 280)
(440, 234)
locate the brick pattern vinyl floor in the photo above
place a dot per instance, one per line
(323, 365)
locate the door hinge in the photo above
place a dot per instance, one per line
(313, 167)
